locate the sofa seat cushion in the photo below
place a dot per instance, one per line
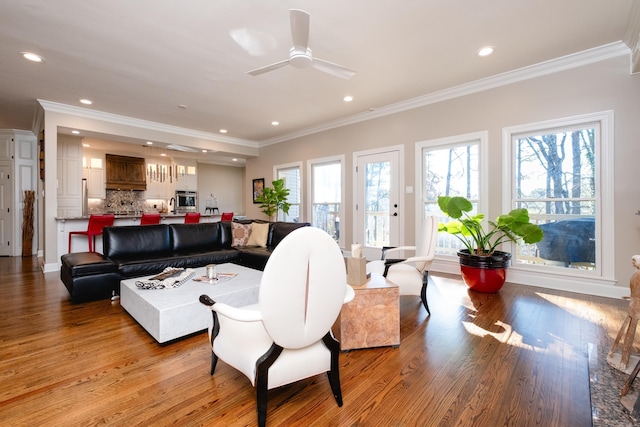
(254, 257)
(149, 266)
(80, 264)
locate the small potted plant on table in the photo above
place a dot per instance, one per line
(484, 267)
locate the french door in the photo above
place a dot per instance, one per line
(378, 210)
(6, 203)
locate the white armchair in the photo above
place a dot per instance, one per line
(411, 274)
(287, 336)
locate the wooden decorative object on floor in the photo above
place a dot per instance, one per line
(372, 319)
(628, 329)
(27, 223)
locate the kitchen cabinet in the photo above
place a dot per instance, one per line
(159, 182)
(93, 172)
(95, 183)
(125, 173)
(186, 175)
(69, 177)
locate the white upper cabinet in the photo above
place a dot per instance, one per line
(160, 179)
(187, 175)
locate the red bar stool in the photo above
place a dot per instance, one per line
(149, 219)
(96, 224)
(227, 216)
(192, 218)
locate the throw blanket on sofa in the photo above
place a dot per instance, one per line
(171, 282)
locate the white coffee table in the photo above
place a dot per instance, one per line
(172, 313)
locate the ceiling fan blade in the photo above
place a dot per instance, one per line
(299, 28)
(333, 69)
(268, 68)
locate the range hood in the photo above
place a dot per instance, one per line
(125, 173)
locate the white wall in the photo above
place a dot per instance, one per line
(224, 182)
(602, 86)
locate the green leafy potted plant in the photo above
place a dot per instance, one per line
(274, 199)
(484, 267)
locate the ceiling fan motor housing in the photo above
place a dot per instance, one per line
(300, 57)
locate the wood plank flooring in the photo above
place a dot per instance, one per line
(517, 358)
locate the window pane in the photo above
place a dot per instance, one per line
(450, 171)
(327, 188)
(555, 180)
(291, 178)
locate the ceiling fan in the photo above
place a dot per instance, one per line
(300, 55)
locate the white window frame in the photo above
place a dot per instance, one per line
(449, 263)
(583, 281)
(292, 165)
(310, 164)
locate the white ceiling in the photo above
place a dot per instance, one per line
(142, 58)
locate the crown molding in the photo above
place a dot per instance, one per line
(575, 60)
(57, 107)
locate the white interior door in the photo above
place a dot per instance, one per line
(378, 211)
(6, 223)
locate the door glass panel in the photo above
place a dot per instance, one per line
(377, 203)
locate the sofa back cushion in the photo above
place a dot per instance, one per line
(226, 234)
(279, 231)
(136, 241)
(201, 237)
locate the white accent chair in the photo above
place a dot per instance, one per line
(287, 336)
(411, 274)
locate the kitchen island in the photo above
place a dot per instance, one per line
(80, 243)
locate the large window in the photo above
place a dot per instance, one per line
(326, 180)
(555, 171)
(292, 180)
(449, 167)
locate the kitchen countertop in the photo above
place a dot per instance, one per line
(135, 216)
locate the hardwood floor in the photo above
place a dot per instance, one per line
(517, 358)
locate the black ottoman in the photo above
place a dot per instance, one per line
(89, 276)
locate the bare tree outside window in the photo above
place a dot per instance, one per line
(555, 180)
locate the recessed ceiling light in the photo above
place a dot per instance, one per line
(223, 131)
(163, 154)
(149, 143)
(86, 101)
(182, 106)
(235, 160)
(204, 151)
(274, 123)
(486, 51)
(75, 132)
(85, 145)
(348, 98)
(32, 57)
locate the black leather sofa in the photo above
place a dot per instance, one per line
(142, 250)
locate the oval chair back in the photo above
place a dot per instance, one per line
(302, 288)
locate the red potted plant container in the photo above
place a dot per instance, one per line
(484, 273)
